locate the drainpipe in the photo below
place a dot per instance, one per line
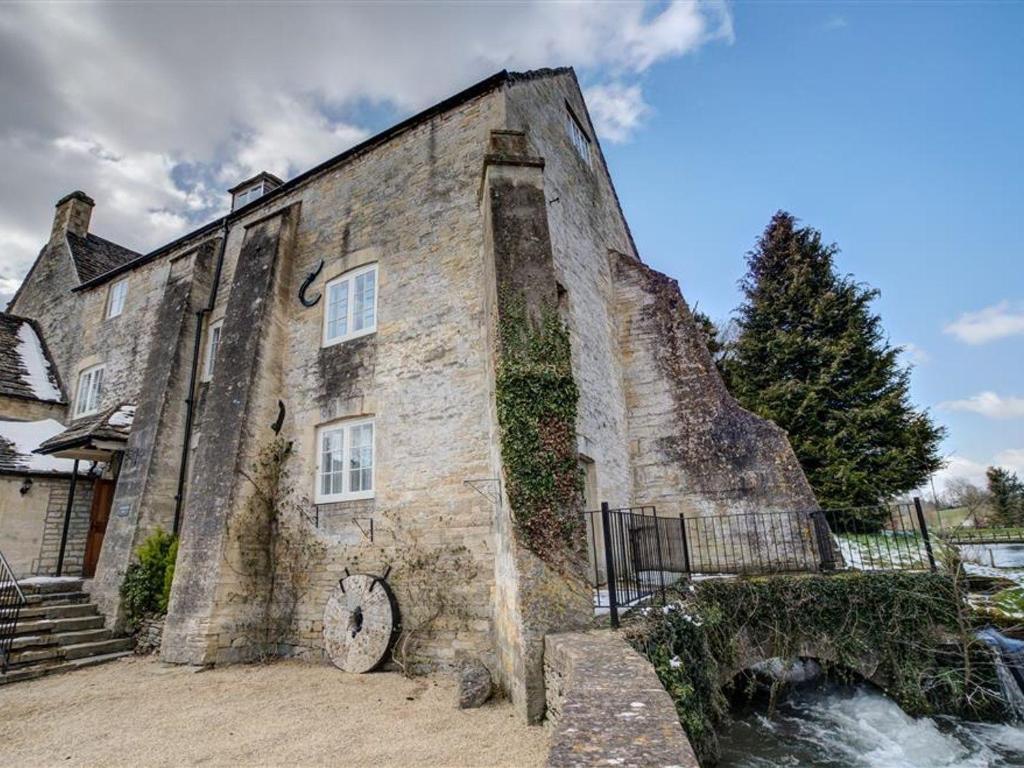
(197, 344)
(67, 519)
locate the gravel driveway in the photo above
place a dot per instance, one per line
(139, 712)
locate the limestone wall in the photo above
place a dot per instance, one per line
(24, 409)
(31, 524)
(585, 222)
(606, 706)
(411, 207)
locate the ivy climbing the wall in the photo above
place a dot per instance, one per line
(536, 400)
(909, 627)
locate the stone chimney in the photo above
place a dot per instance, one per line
(73, 214)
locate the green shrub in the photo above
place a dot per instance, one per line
(146, 589)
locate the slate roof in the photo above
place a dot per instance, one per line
(95, 256)
(486, 85)
(112, 424)
(18, 443)
(26, 369)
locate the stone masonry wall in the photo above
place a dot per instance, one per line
(31, 523)
(144, 499)
(412, 208)
(584, 222)
(606, 706)
(78, 530)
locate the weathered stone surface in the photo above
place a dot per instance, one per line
(359, 623)
(474, 685)
(419, 205)
(149, 635)
(607, 707)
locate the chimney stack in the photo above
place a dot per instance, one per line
(73, 214)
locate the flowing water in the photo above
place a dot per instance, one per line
(831, 726)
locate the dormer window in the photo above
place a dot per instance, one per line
(253, 189)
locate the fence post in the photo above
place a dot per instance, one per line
(924, 532)
(822, 534)
(686, 545)
(661, 560)
(609, 564)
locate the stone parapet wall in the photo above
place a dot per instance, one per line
(606, 706)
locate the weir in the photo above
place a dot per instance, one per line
(1009, 660)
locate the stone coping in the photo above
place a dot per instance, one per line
(607, 707)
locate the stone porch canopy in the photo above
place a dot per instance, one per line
(95, 438)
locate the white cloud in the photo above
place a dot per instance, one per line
(291, 135)
(988, 324)
(915, 354)
(153, 109)
(988, 404)
(836, 22)
(1011, 459)
(959, 467)
(617, 110)
(963, 468)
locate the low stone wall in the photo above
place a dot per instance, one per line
(149, 635)
(606, 706)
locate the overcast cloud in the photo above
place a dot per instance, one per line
(155, 109)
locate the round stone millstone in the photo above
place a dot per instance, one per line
(359, 623)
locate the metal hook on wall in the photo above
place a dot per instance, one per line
(308, 282)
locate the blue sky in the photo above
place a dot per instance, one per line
(897, 131)
(894, 128)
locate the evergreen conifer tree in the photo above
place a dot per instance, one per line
(1007, 493)
(812, 357)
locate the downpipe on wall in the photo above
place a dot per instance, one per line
(190, 397)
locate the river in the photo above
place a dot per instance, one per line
(831, 726)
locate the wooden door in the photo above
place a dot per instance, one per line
(102, 496)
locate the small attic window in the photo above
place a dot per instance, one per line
(252, 189)
(577, 136)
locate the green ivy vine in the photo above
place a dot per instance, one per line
(536, 401)
(911, 624)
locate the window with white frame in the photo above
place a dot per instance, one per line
(578, 137)
(344, 466)
(212, 346)
(248, 194)
(351, 306)
(90, 391)
(116, 295)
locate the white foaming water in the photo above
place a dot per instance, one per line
(857, 727)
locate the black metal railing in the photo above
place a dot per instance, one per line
(635, 552)
(891, 537)
(12, 600)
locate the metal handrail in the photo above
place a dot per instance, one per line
(12, 600)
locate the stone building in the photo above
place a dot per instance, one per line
(351, 313)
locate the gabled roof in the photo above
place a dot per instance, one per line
(112, 425)
(495, 81)
(26, 370)
(95, 256)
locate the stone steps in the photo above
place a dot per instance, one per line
(34, 672)
(58, 631)
(49, 610)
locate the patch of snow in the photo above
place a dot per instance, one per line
(122, 417)
(33, 581)
(40, 379)
(29, 435)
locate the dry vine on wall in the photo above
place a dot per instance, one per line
(274, 554)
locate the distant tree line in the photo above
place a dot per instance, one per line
(999, 503)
